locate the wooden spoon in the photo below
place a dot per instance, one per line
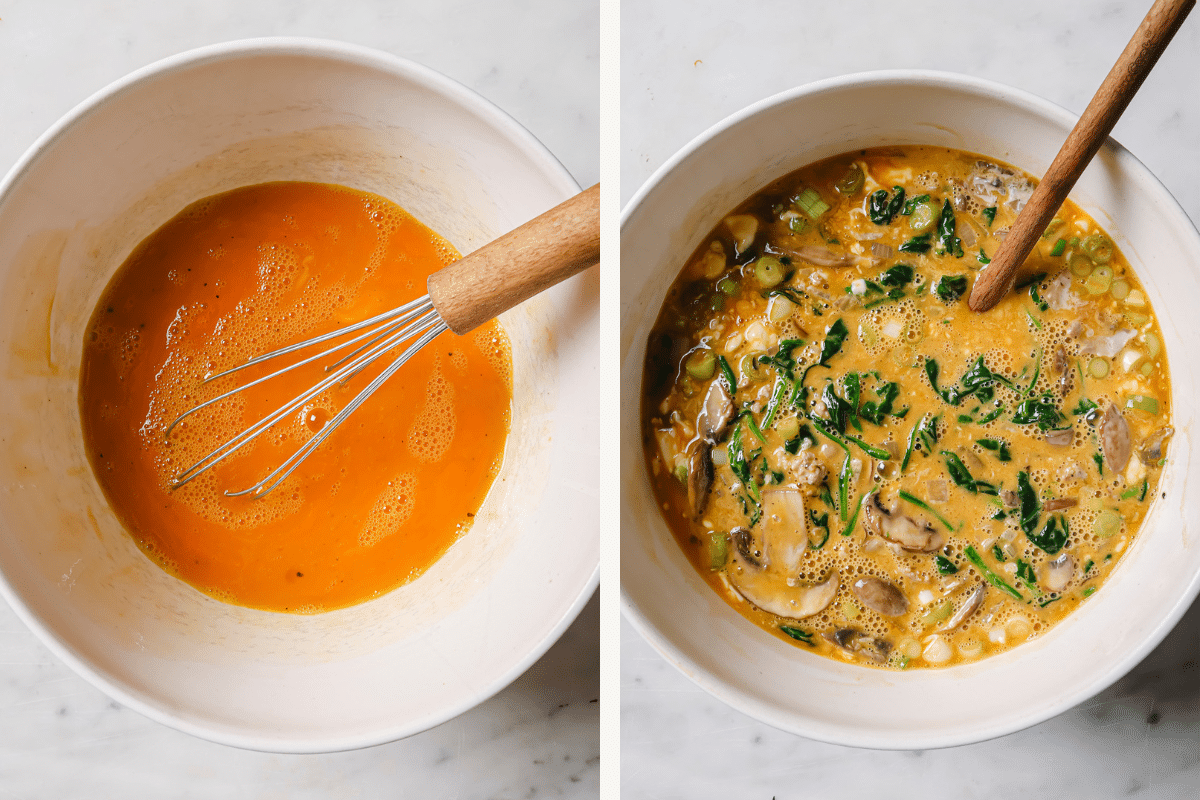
(1102, 113)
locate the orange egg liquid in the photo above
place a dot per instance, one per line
(245, 272)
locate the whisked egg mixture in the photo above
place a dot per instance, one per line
(242, 273)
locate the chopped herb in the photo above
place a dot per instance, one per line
(1030, 507)
(1099, 459)
(944, 565)
(948, 243)
(883, 210)
(1089, 591)
(919, 503)
(741, 468)
(991, 577)
(998, 554)
(797, 634)
(727, 375)
(997, 446)
(962, 476)
(981, 258)
(896, 276)
(917, 244)
(1037, 323)
(1145, 485)
(950, 287)
(825, 496)
(1087, 567)
(1053, 535)
(989, 215)
(1085, 405)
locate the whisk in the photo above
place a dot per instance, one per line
(462, 296)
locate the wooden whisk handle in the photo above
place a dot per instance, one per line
(1097, 121)
(548, 249)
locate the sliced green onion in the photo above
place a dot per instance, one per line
(1099, 281)
(923, 217)
(1142, 402)
(1098, 248)
(1119, 289)
(718, 551)
(701, 364)
(1098, 367)
(1080, 265)
(1059, 247)
(1107, 524)
(728, 285)
(809, 201)
(768, 270)
(852, 181)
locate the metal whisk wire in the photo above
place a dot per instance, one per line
(392, 332)
(556, 245)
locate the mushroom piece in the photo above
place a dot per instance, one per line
(1116, 442)
(1010, 498)
(1059, 503)
(1061, 438)
(743, 227)
(1107, 346)
(784, 527)
(1058, 573)
(821, 256)
(911, 534)
(747, 547)
(700, 476)
(859, 643)
(880, 596)
(768, 588)
(717, 414)
(969, 605)
(1152, 448)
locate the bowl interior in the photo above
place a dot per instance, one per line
(819, 697)
(106, 177)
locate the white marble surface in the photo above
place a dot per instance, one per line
(61, 738)
(687, 65)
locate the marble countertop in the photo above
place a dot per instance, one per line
(686, 66)
(61, 738)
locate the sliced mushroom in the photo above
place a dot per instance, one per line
(700, 476)
(966, 608)
(768, 589)
(821, 256)
(1059, 503)
(717, 414)
(1062, 438)
(1116, 442)
(1058, 573)
(1152, 448)
(880, 596)
(1107, 346)
(748, 547)
(1058, 362)
(911, 534)
(784, 527)
(859, 643)
(1010, 498)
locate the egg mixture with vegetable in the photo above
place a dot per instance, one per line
(866, 468)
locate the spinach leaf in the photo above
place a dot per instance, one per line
(998, 554)
(727, 376)
(991, 577)
(950, 287)
(881, 209)
(1030, 507)
(1040, 410)
(876, 412)
(797, 634)
(1099, 459)
(962, 476)
(853, 385)
(911, 205)
(834, 337)
(948, 243)
(989, 215)
(896, 276)
(837, 409)
(1085, 405)
(996, 446)
(917, 244)
(821, 522)
(944, 565)
(1053, 535)
(919, 503)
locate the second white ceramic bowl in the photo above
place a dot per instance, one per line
(824, 699)
(109, 174)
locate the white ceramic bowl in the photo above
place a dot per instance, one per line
(110, 173)
(821, 698)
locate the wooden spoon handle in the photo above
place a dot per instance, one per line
(548, 249)
(1102, 113)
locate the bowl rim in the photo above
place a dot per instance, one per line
(385, 63)
(842, 735)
